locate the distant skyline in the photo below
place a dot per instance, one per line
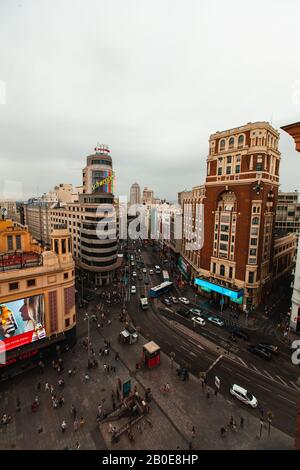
(150, 79)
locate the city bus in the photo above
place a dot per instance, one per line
(165, 276)
(157, 269)
(161, 289)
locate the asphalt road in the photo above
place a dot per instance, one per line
(273, 383)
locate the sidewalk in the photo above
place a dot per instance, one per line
(186, 405)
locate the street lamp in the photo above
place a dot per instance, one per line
(270, 416)
(87, 317)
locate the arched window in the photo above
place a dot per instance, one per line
(255, 221)
(231, 142)
(222, 144)
(222, 270)
(241, 141)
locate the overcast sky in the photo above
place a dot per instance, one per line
(150, 78)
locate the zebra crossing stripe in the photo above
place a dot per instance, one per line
(267, 374)
(294, 385)
(282, 381)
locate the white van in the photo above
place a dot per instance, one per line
(243, 395)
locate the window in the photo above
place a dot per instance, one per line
(222, 270)
(255, 221)
(222, 144)
(10, 246)
(18, 242)
(224, 228)
(229, 159)
(254, 231)
(214, 268)
(251, 278)
(66, 275)
(31, 283)
(259, 167)
(219, 171)
(230, 272)
(67, 322)
(63, 246)
(224, 237)
(241, 141)
(228, 170)
(13, 286)
(253, 241)
(252, 251)
(56, 246)
(231, 142)
(223, 246)
(238, 168)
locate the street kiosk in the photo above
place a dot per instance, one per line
(151, 355)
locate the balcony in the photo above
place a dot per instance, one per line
(20, 260)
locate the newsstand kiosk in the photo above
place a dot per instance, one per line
(151, 355)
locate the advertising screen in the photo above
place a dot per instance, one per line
(103, 181)
(21, 322)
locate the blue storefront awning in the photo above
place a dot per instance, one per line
(233, 294)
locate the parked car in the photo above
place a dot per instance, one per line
(237, 332)
(216, 321)
(174, 300)
(167, 302)
(243, 395)
(263, 353)
(199, 321)
(133, 289)
(134, 274)
(151, 271)
(144, 270)
(195, 311)
(270, 348)
(184, 300)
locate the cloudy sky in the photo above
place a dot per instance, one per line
(152, 79)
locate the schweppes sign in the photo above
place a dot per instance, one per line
(108, 180)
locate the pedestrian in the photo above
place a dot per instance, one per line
(73, 411)
(242, 422)
(114, 404)
(104, 367)
(216, 392)
(77, 445)
(63, 426)
(190, 445)
(76, 425)
(193, 432)
(70, 372)
(117, 356)
(108, 368)
(39, 386)
(40, 429)
(61, 401)
(118, 395)
(46, 387)
(82, 422)
(207, 394)
(86, 378)
(100, 352)
(119, 383)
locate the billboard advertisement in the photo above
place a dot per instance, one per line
(22, 322)
(103, 181)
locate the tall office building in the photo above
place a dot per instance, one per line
(148, 196)
(288, 212)
(135, 194)
(96, 257)
(237, 261)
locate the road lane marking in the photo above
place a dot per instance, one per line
(193, 354)
(267, 374)
(243, 362)
(284, 398)
(282, 381)
(244, 378)
(255, 368)
(199, 346)
(294, 385)
(265, 388)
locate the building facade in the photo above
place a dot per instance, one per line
(37, 296)
(148, 196)
(236, 261)
(288, 212)
(96, 256)
(135, 194)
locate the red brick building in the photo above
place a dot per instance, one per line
(240, 198)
